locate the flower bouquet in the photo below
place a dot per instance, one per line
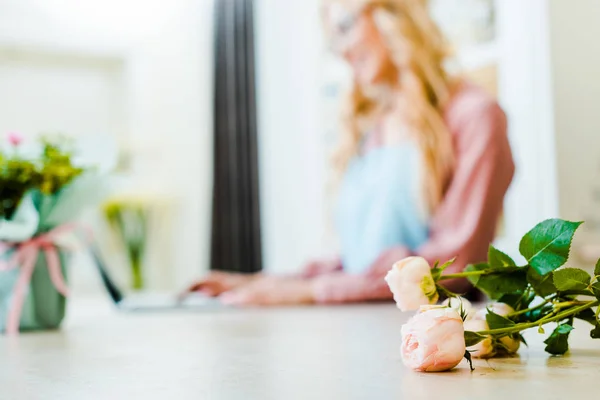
(41, 193)
(529, 296)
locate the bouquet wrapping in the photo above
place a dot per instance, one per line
(41, 196)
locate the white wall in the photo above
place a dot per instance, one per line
(293, 160)
(576, 62)
(165, 97)
(525, 93)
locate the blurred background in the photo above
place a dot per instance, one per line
(220, 117)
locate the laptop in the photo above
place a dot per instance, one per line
(152, 302)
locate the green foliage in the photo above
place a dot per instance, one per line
(496, 321)
(571, 279)
(518, 301)
(472, 338)
(542, 285)
(558, 342)
(596, 290)
(57, 170)
(128, 218)
(49, 173)
(588, 316)
(438, 269)
(498, 282)
(540, 292)
(521, 339)
(498, 259)
(546, 247)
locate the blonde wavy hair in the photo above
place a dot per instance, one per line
(418, 50)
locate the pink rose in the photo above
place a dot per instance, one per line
(497, 308)
(483, 349)
(509, 345)
(459, 303)
(488, 348)
(15, 138)
(433, 340)
(412, 284)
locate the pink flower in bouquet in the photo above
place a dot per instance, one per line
(15, 138)
(412, 284)
(433, 340)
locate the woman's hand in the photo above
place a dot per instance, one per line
(218, 283)
(321, 267)
(271, 291)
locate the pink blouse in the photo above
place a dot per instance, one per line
(464, 224)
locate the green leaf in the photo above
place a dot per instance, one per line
(518, 301)
(472, 338)
(572, 294)
(496, 286)
(597, 269)
(595, 333)
(438, 269)
(587, 315)
(513, 300)
(521, 339)
(558, 342)
(476, 267)
(498, 259)
(563, 329)
(596, 290)
(546, 247)
(498, 282)
(447, 264)
(542, 285)
(496, 321)
(571, 279)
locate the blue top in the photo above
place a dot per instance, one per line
(380, 205)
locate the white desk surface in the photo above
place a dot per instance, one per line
(346, 352)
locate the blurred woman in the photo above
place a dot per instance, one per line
(424, 162)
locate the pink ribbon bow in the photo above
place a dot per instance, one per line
(26, 256)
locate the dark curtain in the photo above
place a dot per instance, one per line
(236, 236)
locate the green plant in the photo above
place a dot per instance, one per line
(540, 292)
(48, 173)
(128, 219)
